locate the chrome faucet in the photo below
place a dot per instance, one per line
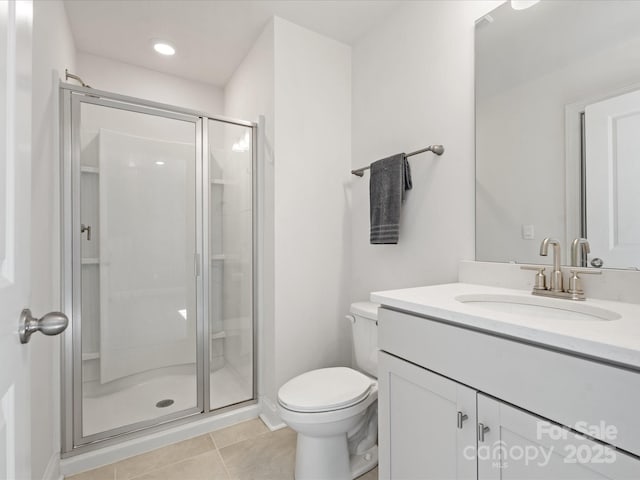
(555, 281)
(555, 290)
(578, 254)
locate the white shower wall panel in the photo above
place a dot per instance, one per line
(145, 254)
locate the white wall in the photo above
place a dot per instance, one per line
(126, 79)
(301, 82)
(312, 218)
(53, 49)
(413, 86)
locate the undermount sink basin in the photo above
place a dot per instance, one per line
(549, 308)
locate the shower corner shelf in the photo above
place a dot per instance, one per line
(90, 356)
(221, 257)
(90, 261)
(88, 169)
(222, 181)
(219, 335)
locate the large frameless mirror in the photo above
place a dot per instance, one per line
(557, 111)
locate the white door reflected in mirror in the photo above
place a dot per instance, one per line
(612, 174)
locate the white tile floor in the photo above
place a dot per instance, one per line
(137, 403)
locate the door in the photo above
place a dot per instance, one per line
(15, 191)
(427, 424)
(518, 445)
(612, 170)
(230, 156)
(134, 174)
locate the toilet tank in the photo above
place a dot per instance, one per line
(364, 326)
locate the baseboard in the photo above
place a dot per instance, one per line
(269, 415)
(270, 425)
(52, 472)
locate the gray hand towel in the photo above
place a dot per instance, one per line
(389, 179)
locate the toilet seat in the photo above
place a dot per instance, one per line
(325, 390)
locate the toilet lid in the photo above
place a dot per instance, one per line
(324, 390)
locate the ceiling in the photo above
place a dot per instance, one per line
(211, 37)
(517, 46)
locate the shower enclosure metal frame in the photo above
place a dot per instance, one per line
(71, 97)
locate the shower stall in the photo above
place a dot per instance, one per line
(158, 252)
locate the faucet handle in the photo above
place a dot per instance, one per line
(541, 280)
(590, 271)
(575, 285)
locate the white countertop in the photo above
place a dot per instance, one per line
(615, 341)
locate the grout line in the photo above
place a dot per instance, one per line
(115, 465)
(241, 440)
(215, 445)
(153, 470)
(215, 448)
(253, 437)
(224, 465)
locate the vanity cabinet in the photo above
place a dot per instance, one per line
(432, 374)
(428, 421)
(523, 446)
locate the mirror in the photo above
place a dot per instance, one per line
(558, 131)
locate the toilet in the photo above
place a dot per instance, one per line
(335, 410)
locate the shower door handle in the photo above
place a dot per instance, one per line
(86, 228)
(53, 323)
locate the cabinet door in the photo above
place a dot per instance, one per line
(420, 436)
(520, 445)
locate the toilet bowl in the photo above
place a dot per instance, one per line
(334, 410)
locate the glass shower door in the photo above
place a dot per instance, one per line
(135, 172)
(231, 214)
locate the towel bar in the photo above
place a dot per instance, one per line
(437, 149)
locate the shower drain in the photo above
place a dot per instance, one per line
(164, 403)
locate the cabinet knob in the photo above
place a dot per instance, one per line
(461, 418)
(482, 429)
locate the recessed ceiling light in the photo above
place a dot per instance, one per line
(159, 162)
(164, 48)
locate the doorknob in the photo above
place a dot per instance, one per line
(53, 323)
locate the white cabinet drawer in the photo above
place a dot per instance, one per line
(568, 390)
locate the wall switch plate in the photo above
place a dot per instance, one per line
(528, 232)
